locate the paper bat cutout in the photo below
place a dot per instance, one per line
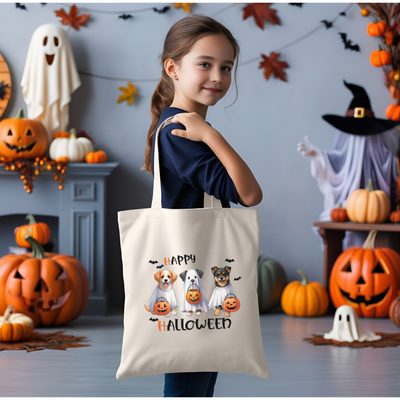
(236, 279)
(3, 88)
(348, 43)
(327, 24)
(229, 259)
(153, 319)
(161, 10)
(296, 4)
(21, 6)
(159, 266)
(153, 262)
(343, 14)
(125, 16)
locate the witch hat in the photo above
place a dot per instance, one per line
(359, 118)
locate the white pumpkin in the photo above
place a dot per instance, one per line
(15, 326)
(74, 148)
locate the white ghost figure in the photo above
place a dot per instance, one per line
(49, 78)
(347, 327)
(192, 280)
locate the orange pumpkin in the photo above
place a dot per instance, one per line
(61, 134)
(52, 289)
(389, 36)
(339, 214)
(22, 137)
(162, 307)
(231, 303)
(395, 215)
(366, 278)
(38, 230)
(394, 310)
(94, 157)
(15, 327)
(377, 28)
(393, 112)
(193, 295)
(379, 58)
(364, 12)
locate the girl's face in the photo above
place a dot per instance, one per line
(203, 75)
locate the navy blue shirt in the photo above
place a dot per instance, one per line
(188, 169)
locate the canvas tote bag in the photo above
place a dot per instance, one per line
(180, 266)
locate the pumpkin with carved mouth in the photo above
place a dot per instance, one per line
(231, 303)
(366, 278)
(193, 296)
(22, 137)
(50, 288)
(162, 307)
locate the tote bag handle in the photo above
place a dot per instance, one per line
(209, 201)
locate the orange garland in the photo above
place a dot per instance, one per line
(29, 169)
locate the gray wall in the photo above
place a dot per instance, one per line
(264, 125)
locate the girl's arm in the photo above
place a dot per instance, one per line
(247, 187)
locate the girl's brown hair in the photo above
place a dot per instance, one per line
(178, 42)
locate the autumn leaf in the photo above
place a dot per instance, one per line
(72, 18)
(260, 11)
(185, 6)
(128, 94)
(272, 65)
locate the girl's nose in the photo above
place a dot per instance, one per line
(216, 76)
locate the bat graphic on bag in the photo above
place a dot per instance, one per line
(153, 319)
(153, 262)
(236, 279)
(229, 259)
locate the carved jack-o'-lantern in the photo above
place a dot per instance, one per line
(366, 278)
(231, 303)
(162, 307)
(52, 289)
(22, 137)
(193, 295)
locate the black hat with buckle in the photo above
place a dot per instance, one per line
(359, 118)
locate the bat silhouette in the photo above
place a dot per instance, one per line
(229, 259)
(159, 266)
(153, 262)
(21, 6)
(161, 10)
(348, 44)
(296, 4)
(327, 24)
(343, 14)
(125, 16)
(153, 319)
(236, 279)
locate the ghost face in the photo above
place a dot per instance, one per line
(49, 40)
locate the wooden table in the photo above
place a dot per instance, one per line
(333, 233)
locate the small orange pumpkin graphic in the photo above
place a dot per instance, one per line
(193, 295)
(162, 307)
(231, 303)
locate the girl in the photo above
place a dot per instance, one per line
(197, 60)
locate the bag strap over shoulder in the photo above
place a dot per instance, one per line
(209, 201)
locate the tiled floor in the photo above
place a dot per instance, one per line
(297, 368)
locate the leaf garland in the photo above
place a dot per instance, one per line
(271, 65)
(128, 93)
(259, 11)
(185, 6)
(72, 18)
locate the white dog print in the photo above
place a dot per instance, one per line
(192, 280)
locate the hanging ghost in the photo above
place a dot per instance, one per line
(347, 327)
(49, 78)
(192, 281)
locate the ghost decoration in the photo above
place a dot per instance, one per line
(190, 278)
(347, 327)
(49, 78)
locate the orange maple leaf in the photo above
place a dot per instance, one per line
(272, 65)
(185, 6)
(260, 11)
(72, 18)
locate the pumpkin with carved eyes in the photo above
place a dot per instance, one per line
(231, 303)
(193, 296)
(50, 288)
(22, 137)
(162, 307)
(366, 278)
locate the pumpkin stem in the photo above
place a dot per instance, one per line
(31, 219)
(304, 282)
(340, 205)
(370, 240)
(20, 113)
(370, 188)
(7, 314)
(73, 132)
(379, 47)
(37, 249)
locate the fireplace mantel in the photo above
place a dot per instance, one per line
(80, 209)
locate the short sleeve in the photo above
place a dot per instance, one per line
(196, 164)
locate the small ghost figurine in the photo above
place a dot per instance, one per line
(49, 78)
(348, 328)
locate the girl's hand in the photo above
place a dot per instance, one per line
(196, 127)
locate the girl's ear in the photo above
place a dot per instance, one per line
(171, 68)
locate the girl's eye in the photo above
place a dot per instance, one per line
(227, 68)
(205, 63)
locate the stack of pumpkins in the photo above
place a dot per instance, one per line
(43, 288)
